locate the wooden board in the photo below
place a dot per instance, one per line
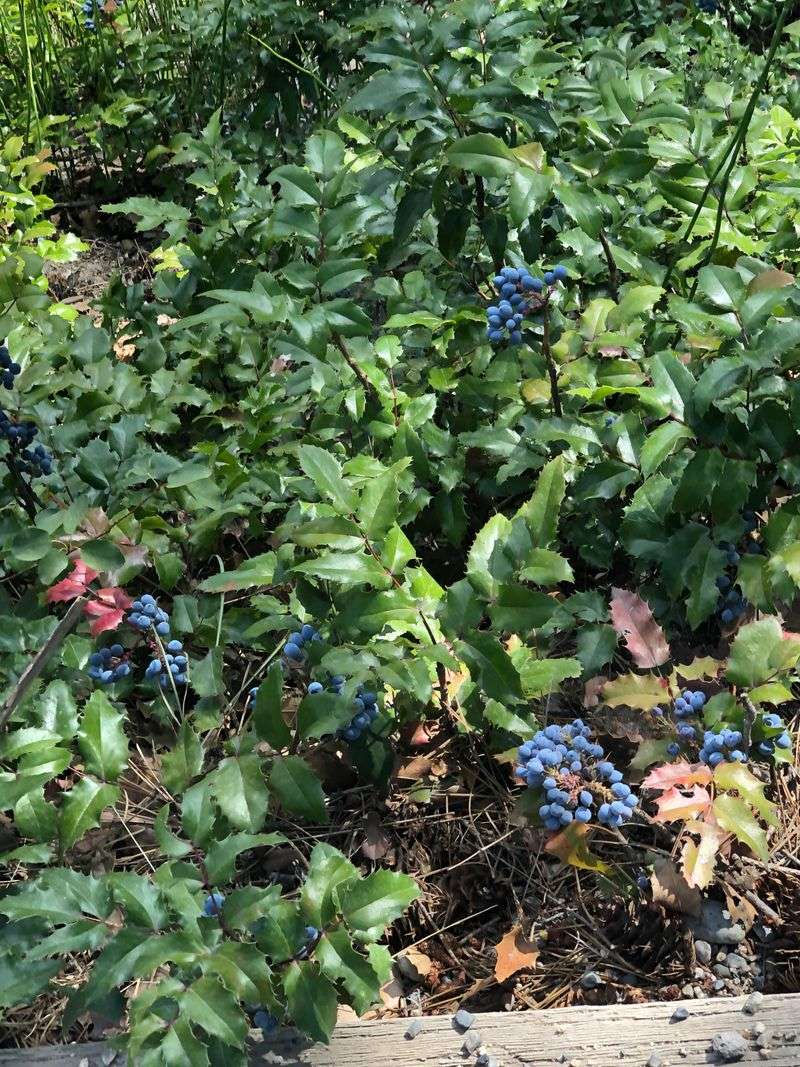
(585, 1036)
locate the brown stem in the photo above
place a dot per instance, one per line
(551, 367)
(613, 275)
(354, 367)
(26, 496)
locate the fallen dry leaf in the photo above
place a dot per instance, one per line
(672, 890)
(739, 907)
(392, 994)
(414, 965)
(415, 769)
(514, 953)
(633, 620)
(376, 843)
(698, 859)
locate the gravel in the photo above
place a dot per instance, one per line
(654, 1061)
(485, 1060)
(680, 1014)
(721, 971)
(715, 925)
(702, 950)
(414, 1029)
(463, 1018)
(472, 1042)
(753, 1003)
(736, 963)
(719, 985)
(730, 1046)
(591, 980)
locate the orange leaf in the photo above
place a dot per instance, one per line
(671, 774)
(676, 804)
(514, 953)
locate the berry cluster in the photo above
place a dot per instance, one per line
(504, 319)
(266, 1022)
(732, 604)
(88, 9)
(174, 664)
(145, 613)
(687, 705)
(708, 7)
(365, 704)
(571, 770)
(20, 436)
(722, 747)
(295, 642)
(767, 747)
(108, 665)
(8, 368)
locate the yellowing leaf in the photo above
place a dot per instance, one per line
(643, 691)
(701, 668)
(572, 847)
(698, 859)
(737, 776)
(514, 953)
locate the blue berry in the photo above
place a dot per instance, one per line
(549, 277)
(293, 651)
(265, 1021)
(559, 272)
(212, 905)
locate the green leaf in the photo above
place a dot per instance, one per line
(490, 667)
(499, 715)
(102, 555)
(520, 610)
(179, 1045)
(239, 789)
(244, 907)
(759, 651)
(320, 714)
(22, 980)
(140, 898)
(737, 776)
(81, 809)
(660, 444)
(221, 855)
(484, 154)
(347, 568)
(327, 869)
(541, 511)
(298, 789)
(212, 1007)
(370, 905)
(258, 570)
(325, 472)
(184, 762)
(206, 674)
(489, 564)
(339, 962)
(311, 1000)
(268, 720)
(281, 932)
(540, 677)
(101, 738)
(734, 815)
(170, 844)
(377, 509)
(242, 969)
(545, 567)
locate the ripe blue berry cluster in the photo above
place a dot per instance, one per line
(88, 9)
(578, 782)
(364, 703)
(708, 7)
(722, 747)
(35, 461)
(174, 664)
(731, 604)
(8, 368)
(688, 705)
(504, 319)
(145, 613)
(767, 746)
(295, 642)
(108, 665)
(266, 1022)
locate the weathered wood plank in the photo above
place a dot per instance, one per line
(589, 1036)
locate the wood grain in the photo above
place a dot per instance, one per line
(590, 1037)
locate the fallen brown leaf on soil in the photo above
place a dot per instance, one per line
(376, 843)
(672, 890)
(514, 953)
(414, 965)
(392, 994)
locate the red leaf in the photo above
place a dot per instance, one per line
(109, 609)
(73, 585)
(114, 596)
(676, 804)
(109, 620)
(671, 774)
(633, 620)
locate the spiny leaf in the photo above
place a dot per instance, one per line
(633, 620)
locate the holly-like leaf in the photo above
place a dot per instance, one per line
(633, 620)
(327, 869)
(239, 789)
(221, 855)
(759, 650)
(212, 1007)
(514, 953)
(340, 962)
(739, 777)
(298, 789)
(311, 1000)
(571, 846)
(678, 774)
(325, 472)
(675, 804)
(698, 859)
(101, 738)
(369, 905)
(81, 809)
(268, 719)
(643, 691)
(735, 815)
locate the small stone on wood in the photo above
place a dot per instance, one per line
(414, 1029)
(730, 1046)
(472, 1042)
(463, 1018)
(680, 1014)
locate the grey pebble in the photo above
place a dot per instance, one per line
(680, 1014)
(463, 1018)
(762, 1041)
(654, 1061)
(758, 1029)
(414, 1029)
(719, 985)
(730, 1046)
(687, 990)
(485, 1060)
(734, 962)
(764, 1053)
(702, 950)
(715, 925)
(591, 980)
(721, 971)
(472, 1042)
(753, 1003)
